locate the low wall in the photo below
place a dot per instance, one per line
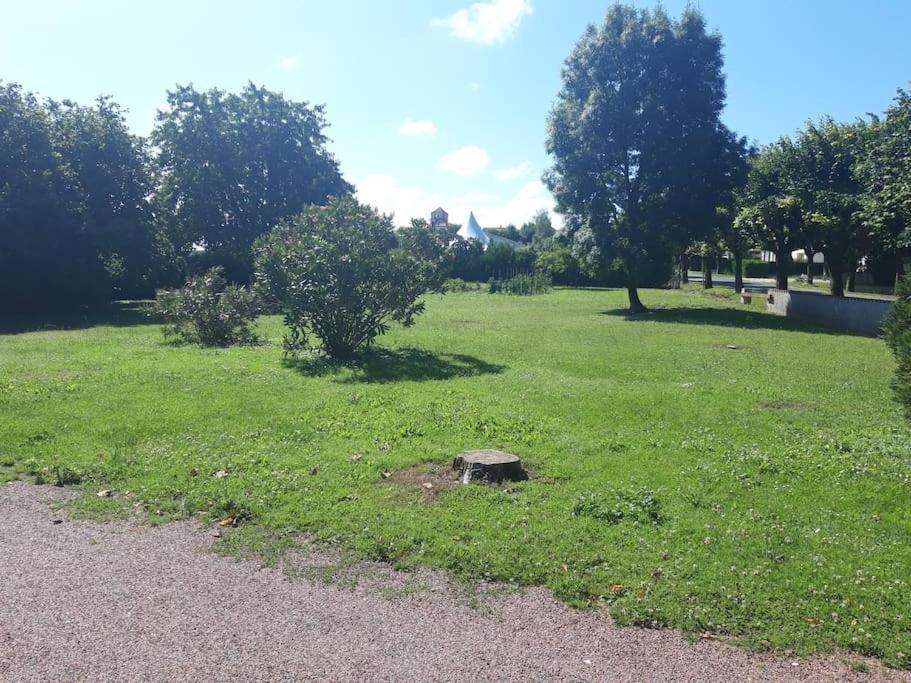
(854, 314)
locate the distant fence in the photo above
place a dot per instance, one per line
(853, 314)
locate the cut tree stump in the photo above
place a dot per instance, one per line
(489, 466)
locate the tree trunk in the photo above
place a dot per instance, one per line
(738, 273)
(635, 306)
(810, 254)
(781, 268)
(899, 269)
(632, 287)
(684, 268)
(836, 281)
(489, 466)
(707, 273)
(852, 277)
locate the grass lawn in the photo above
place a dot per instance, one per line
(761, 491)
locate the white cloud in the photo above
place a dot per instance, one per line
(513, 172)
(389, 196)
(469, 160)
(289, 62)
(414, 128)
(386, 194)
(487, 23)
(474, 86)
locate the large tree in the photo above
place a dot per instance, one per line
(235, 165)
(824, 177)
(538, 228)
(885, 170)
(640, 154)
(770, 209)
(75, 224)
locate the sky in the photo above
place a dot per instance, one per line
(442, 102)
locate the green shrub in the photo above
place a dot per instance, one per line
(339, 272)
(898, 337)
(756, 268)
(456, 284)
(207, 311)
(525, 285)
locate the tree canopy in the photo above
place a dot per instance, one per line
(235, 165)
(641, 156)
(885, 171)
(75, 223)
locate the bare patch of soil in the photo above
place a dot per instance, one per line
(428, 480)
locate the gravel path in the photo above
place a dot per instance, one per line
(123, 601)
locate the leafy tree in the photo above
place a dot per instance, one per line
(736, 236)
(340, 273)
(825, 159)
(510, 232)
(75, 224)
(709, 252)
(111, 171)
(884, 167)
(770, 209)
(555, 258)
(465, 259)
(538, 228)
(234, 165)
(640, 153)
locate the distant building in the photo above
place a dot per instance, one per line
(439, 219)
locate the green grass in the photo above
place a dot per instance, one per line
(761, 491)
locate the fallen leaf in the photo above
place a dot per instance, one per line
(221, 474)
(708, 636)
(565, 568)
(356, 457)
(228, 521)
(217, 534)
(427, 485)
(386, 475)
(811, 620)
(616, 589)
(105, 493)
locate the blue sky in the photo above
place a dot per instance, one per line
(443, 102)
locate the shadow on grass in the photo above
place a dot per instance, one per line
(725, 317)
(114, 314)
(381, 365)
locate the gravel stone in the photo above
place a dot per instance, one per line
(125, 601)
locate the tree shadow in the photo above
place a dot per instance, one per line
(114, 314)
(381, 365)
(726, 317)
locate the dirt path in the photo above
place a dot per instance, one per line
(121, 601)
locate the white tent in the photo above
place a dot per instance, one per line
(472, 231)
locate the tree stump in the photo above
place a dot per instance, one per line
(489, 466)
